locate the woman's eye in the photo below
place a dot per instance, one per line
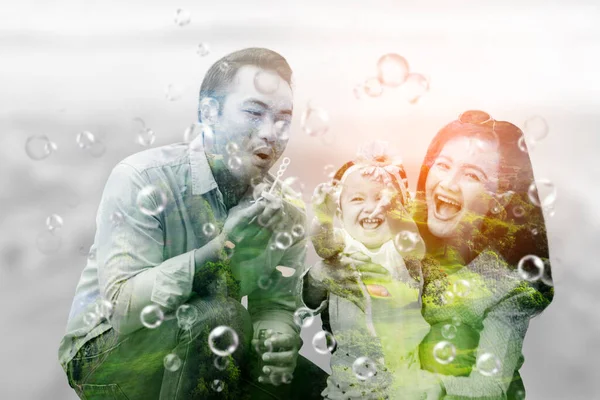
(442, 165)
(473, 176)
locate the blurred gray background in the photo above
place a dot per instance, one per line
(69, 66)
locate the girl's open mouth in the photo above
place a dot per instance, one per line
(371, 223)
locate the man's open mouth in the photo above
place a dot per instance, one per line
(263, 154)
(445, 207)
(371, 223)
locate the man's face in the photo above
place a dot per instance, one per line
(252, 130)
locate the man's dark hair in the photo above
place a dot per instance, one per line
(221, 73)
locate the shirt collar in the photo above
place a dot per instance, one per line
(203, 180)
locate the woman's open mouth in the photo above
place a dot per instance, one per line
(445, 207)
(371, 223)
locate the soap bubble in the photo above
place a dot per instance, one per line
(186, 316)
(265, 282)
(522, 144)
(519, 395)
(449, 331)
(151, 200)
(456, 321)
(364, 368)
(182, 17)
(542, 193)
(104, 308)
(530, 267)
(221, 363)
(223, 341)
(373, 88)
(39, 147)
(329, 171)
(283, 240)
(48, 242)
(231, 148)
(298, 231)
(172, 362)
(116, 219)
(416, 85)
(191, 133)
(98, 149)
(91, 319)
(174, 92)
(314, 121)
(203, 49)
(518, 211)
(266, 82)
(281, 129)
(488, 364)
(53, 222)
(535, 129)
(448, 297)
(234, 163)
(208, 229)
(324, 343)
(461, 288)
(224, 66)
(444, 352)
(392, 70)
(152, 316)
(534, 231)
(145, 137)
(286, 377)
(85, 139)
(209, 110)
(92, 253)
(217, 385)
(303, 317)
(406, 241)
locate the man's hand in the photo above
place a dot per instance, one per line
(279, 359)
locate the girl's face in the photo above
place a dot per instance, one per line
(459, 185)
(359, 198)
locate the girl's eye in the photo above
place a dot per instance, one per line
(356, 198)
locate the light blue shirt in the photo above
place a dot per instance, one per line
(139, 259)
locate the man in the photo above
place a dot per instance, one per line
(196, 226)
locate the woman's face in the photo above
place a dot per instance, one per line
(460, 184)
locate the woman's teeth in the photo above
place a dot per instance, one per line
(447, 207)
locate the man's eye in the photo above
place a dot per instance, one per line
(254, 113)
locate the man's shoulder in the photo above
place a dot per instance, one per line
(168, 155)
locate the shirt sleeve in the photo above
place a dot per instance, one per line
(500, 346)
(132, 271)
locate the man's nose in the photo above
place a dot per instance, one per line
(266, 130)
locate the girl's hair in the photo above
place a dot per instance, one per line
(519, 228)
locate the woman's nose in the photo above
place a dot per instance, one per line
(450, 181)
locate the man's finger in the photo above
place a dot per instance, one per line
(281, 359)
(284, 342)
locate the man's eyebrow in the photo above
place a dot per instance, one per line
(262, 104)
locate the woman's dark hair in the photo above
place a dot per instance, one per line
(519, 228)
(221, 73)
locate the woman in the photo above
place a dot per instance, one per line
(486, 273)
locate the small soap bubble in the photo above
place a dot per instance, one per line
(104, 308)
(266, 82)
(151, 200)
(444, 352)
(203, 49)
(209, 229)
(152, 316)
(281, 129)
(98, 149)
(449, 331)
(190, 133)
(286, 377)
(298, 231)
(314, 121)
(145, 137)
(530, 268)
(542, 193)
(488, 364)
(182, 17)
(234, 163)
(448, 297)
(534, 231)
(415, 87)
(329, 171)
(92, 253)
(535, 129)
(221, 363)
(174, 92)
(231, 148)
(303, 317)
(85, 139)
(172, 362)
(364, 368)
(265, 282)
(223, 341)
(324, 343)
(48, 242)
(217, 385)
(456, 321)
(209, 110)
(116, 218)
(53, 222)
(522, 144)
(550, 211)
(186, 316)
(406, 241)
(283, 240)
(39, 147)
(518, 211)
(372, 87)
(461, 288)
(520, 395)
(496, 209)
(392, 70)
(91, 319)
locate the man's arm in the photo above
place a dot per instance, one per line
(132, 271)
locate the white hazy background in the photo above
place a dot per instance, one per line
(68, 66)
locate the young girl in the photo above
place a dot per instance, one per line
(378, 329)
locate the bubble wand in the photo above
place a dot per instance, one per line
(280, 172)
